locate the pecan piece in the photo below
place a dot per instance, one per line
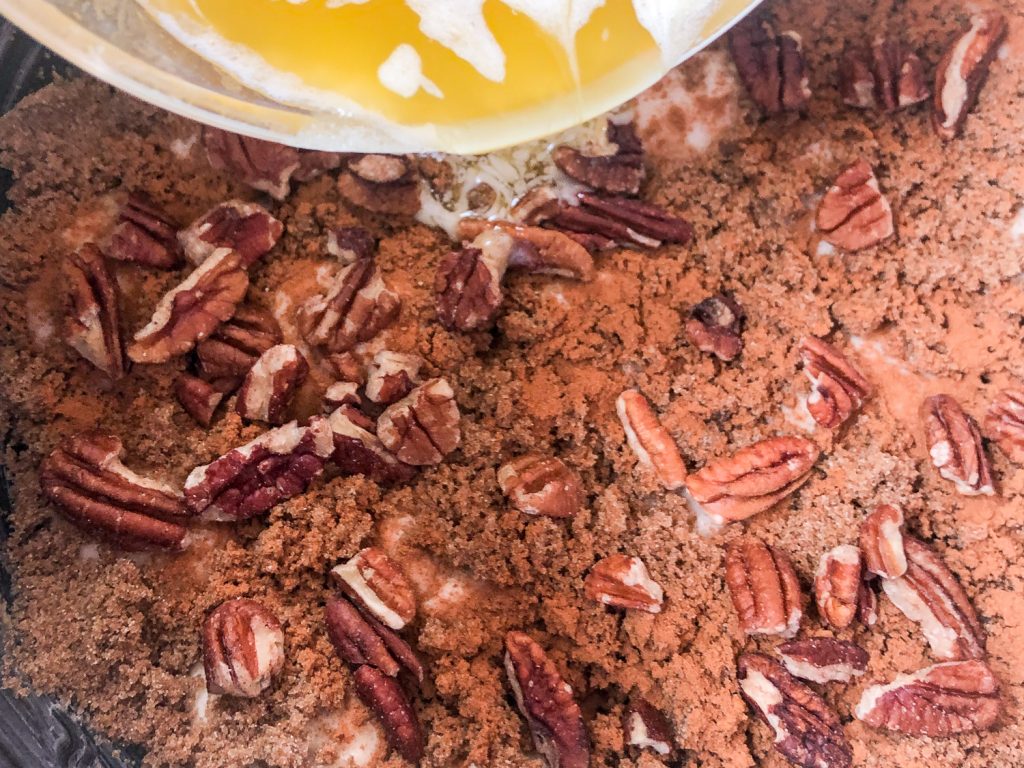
(807, 731)
(230, 351)
(350, 244)
(715, 325)
(940, 700)
(622, 581)
(376, 583)
(547, 703)
(271, 383)
(962, 71)
(386, 184)
(423, 427)
(867, 604)
(770, 65)
(243, 648)
(144, 234)
(619, 173)
(541, 485)
(853, 214)
(887, 76)
(360, 639)
(358, 451)
(249, 480)
(929, 594)
(823, 659)
(192, 310)
(764, 588)
(535, 250)
(341, 393)
(199, 398)
(837, 387)
(837, 585)
(881, 541)
(357, 307)
(603, 221)
(955, 447)
(752, 480)
(391, 376)
(85, 478)
(388, 701)
(651, 442)
(348, 367)
(645, 727)
(92, 318)
(247, 228)
(262, 165)
(1004, 423)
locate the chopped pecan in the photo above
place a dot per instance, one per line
(348, 367)
(651, 442)
(423, 427)
(837, 585)
(360, 639)
(376, 583)
(622, 581)
(226, 355)
(92, 318)
(243, 648)
(481, 198)
(887, 76)
(823, 659)
(386, 184)
(536, 205)
(929, 594)
(881, 541)
(541, 485)
(715, 325)
(764, 588)
(955, 447)
(388, 701)
(547, 703)
(752, 480)
(252, 478)
(144, 234)
(263, 165)
(645, 727)
(99, 494)
(837, 387)
(199, 398)
(807, 731)
(606, 220)
(867, 604)
(341, 393)
(350, 244)
(1004, 423)
(770, 65)
(532, 249)
(853, 214)
(191, 311)
(271, 383)
(357, 307)
(619, 173)
(962, 71)
(940, 700)
(314, 162)
(247, 228)
(358, 451)
(391, 376)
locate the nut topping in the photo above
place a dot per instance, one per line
(887, 76)
(197, 397)
(936, 701)
(467, 285)
(226, 356)
(263, 165)
(376, 583)
(247, 228)
(243, 648)
(823, 659)
(807, 731)
(388, 701)
(770, 65)
(271, 383)
(853, 214)
(358, 451)
(600, 221)
(535, 250)
(764, 588)
(867, 604)
(715, 325)
(391, 376)
(360, 639)
(1004, 422)
(962, 71)
(623, 582)
(955, 448)
(653, 445)
(881, 541)
(837, 585)
(541, 485)
(350, 244)
(837, 388)
(387, 184)
(423, 427)
(645, 727)
(620, 173)
(191, 311)
(752, 480)
(92, 320)
(144, 234)
(547, 703)
(341, 393)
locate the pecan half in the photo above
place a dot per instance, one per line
(600, 221)
(145, 234)
(357, 307)
(391, 376)
(92, 317)
(85, 478)
(650, 441)
(271, 383)
(226, 355)
(881, 541)
(423, 427)
(645, 727)
(837, 585)
(715, 325)
(962, 71)
(388, 701)
(886, 76)
(622, 581)
(348, 367)
(360, 639)
(249, 480)
(263, 165)
(837, 387)
(619, 173)
(243, 648)
(764, 588)
(955, 447)
(350, 244)
(358, 450)
(547, 703)
(929, 594)
(1004, 423)
(536, 250)
(823, 659)
(752, 480)
(541, 485)
(199, 398)
(376, 583)
(247, 228)
(770, 65)
(386, 184)
(853, 214)
(191, 311)
(807, 731)
(467, 286)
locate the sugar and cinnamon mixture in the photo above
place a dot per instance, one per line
(938, 308)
